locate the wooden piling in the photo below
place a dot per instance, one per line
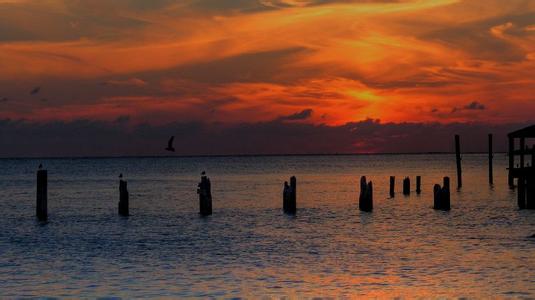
(511, 179)
(289, 196)
(205, 196)
(521, 193)
(491, 157)
(392, 186)
(366, 195)
(458, 159)
(441, 200)
(530, 192)
(406, 186)
(418, 184)
(123, 199)
(436, 196)
(42, 195)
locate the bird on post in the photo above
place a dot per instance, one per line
(121, 176)
(40, 166)
(170, 147)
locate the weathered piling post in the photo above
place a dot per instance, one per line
(521, 192)
(42, 195)
(392, 186)
(511, 179)
(289, 196)
(418, 184)
(441, 195)
(123, 198)
(491, 157)
(458, 159)
(366, 195)
(445, 194)
(406, 186)
(530, 182)
(205, 195)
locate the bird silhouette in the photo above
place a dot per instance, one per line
(170, 145)
(121, 175)
(40, 166)
(203, 173)
(35, 90)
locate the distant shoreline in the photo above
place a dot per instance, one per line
(241, 155)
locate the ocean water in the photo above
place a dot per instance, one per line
(248, 247)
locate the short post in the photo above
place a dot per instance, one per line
(441, 195)
(123, 199)
(205, 196)
(521, 192)
(418, 185)
(366, 195)
(491, 157)
(406, 186)
(458, 159)
(289, 197)
(42, 195)
(392, 186)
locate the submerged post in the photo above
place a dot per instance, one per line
(392, 186)
(366, 195)
(123, 199)
(491, 157)
(406, 186)
(42, 195)
(289, 196)
(205, 196)
(458, 159)
(418, 184)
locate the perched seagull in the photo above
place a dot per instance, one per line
(35, 90)
(121, 175)
(40, 166)
(170, 145)
(203, 173)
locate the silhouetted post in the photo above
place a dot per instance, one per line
(522, 151)
(392, 186)
(436, 196)
(530, 191)
(491, 157)
(418, 184)
(42, 195)
(366, 195)
(123, 199)
(511, 162)
(445, 194)
(205, 196)
(289, 196)
(521, 192)
(406, 186)
(458, 158)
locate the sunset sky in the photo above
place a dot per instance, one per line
(323, 66)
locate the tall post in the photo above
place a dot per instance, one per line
(205, 196)
(366, 195)
(123, 199)
(392, 186)
(445, 194)
(458, 159)
(511, 162)
(292, 205)
(42, 195)
(491, 157)
(418, 184)
(530, 182)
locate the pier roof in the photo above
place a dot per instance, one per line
(528, 132)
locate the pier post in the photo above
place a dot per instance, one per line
(123, 199)
(521, 192)
(205, 196)
(511, 179)
(445, 194)
(491, 157)
(42, 195)
(458, 159)
(436, 197)
(392, 186)
(366, 195)
(418, 184)
(406, 186)
(289, 197)
(530, 184)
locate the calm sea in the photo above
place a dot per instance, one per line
(248, 247)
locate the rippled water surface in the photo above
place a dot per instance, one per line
(248, 247)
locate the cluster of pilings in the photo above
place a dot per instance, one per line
(441, 195)
(366, 195)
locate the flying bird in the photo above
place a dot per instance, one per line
(35, 90)
(170, 145)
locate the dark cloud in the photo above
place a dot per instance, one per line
(302, 115)
(95, 138)
(475, 106)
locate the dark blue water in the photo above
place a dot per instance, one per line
(248, 248)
